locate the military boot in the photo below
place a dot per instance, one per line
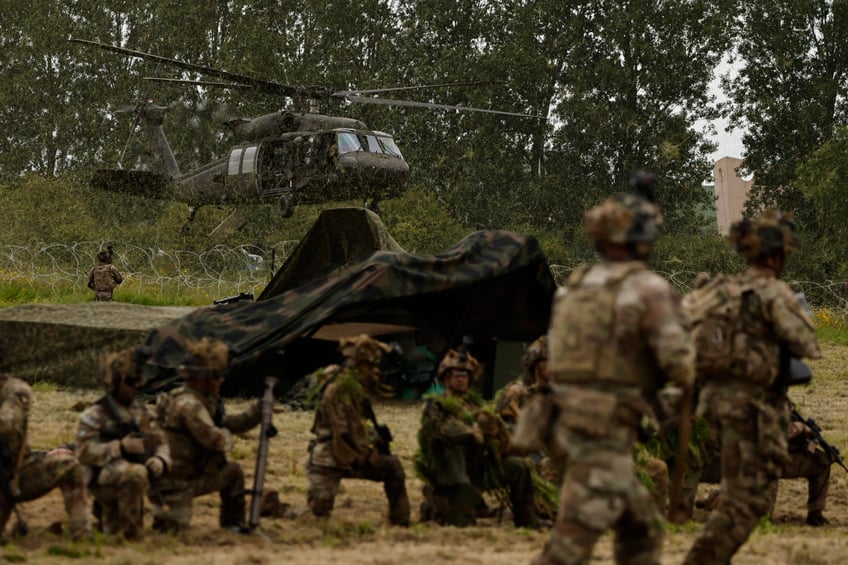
(815, 518)
(233, 507)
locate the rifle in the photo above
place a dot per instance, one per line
(8, 470)
(383, 431)
(242, 296)
(126, 428)
(831, 450)
(266, 432)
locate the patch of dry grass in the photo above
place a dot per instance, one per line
(358, 532)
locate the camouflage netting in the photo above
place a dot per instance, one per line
(492, 284)
(338, 237)
(61, 343)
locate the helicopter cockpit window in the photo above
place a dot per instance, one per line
(348, 143)
(389, 146)
(373, 144)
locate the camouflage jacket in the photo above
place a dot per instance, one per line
(104, 277)
(460, 441)
(101, 424)
(634, 334)
(198, 429)
(15, 402)
(772, 318)
(511, 399)
(343, 437)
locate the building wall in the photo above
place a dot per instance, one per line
(731, 192)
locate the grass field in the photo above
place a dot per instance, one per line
(358, 532)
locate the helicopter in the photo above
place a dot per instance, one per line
(289, 157)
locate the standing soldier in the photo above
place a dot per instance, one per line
(463, 452)
(743, 405)
(28, 475)
(617, 335)
(200, 434)
(120, 444)
(104, 277)
(348, 441)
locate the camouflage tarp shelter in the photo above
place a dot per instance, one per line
(492, 284)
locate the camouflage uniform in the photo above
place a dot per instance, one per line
(617, 334)
(516, 395)
(200, 434)
(119, 475)
(462, 453)
(39, 472)
(104, 277)
(743, 407)
(345, 445)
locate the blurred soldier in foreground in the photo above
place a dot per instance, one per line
(349, 443)
(200, 434)
(617, 335)
(120, 444)
(27, 475)
(104, 277)
(743, 405)
(463, 452)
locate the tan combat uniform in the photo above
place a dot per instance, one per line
(617, 334)
(103, 279)
(751, 425)
(200, 434)
(119, 481)
(346, 446)
(39, 471)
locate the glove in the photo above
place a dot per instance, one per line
(132, 445)
(155, 466)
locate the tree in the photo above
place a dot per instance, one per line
(789, 93)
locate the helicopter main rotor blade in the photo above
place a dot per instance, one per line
(259, 84)
(390, 102)
(200, 82)
(421, 87)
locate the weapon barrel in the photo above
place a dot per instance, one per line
(266, 431)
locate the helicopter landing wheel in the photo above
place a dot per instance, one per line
(286, 205)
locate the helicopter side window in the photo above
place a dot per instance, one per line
(348, 143)
(249, 158)
(235, 161)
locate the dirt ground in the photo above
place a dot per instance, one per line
(358, 532)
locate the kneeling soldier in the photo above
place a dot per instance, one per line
(345, 446)
(120, 444)
(200, 434)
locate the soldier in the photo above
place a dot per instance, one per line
(200, 434)
(463, 452)
(516, 395)
(32, 474)
(104, 277)
(348, 441)
(120, 444)
(743, 406)
(617, 334)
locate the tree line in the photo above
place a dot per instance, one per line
(621, 85)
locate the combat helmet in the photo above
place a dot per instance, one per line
(363, 349)
(772, 233)
(124, 366)
(104, 257)
(205, 358)
(624, 218)
(462, 360)
(535, 352)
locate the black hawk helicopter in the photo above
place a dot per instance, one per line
(288, 156)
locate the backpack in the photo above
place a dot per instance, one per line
(715, 310)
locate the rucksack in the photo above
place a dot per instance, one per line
(715, 310)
